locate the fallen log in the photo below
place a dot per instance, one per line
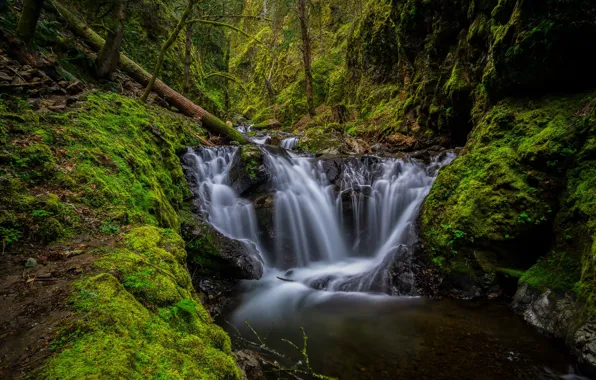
(285, 279)
(177, 100)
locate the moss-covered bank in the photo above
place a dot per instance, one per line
(110, 162)
(108, 165)
(140, 318)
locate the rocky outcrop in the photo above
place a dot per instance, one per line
(249, 363)
(546, 310)
(217, 253)
(517, 202)
(442, 61)
(558, 315)
(247, 169)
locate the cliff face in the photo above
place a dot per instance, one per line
(445, 63)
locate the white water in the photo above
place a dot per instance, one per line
(315, 246)
(289, 143)
(231, 215)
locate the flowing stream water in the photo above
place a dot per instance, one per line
(338, 246)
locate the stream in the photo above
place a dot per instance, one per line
(339, 265)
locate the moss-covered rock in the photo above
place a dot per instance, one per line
(501, 193)
(247, 169)
(217, 255)
(439, 52)
(142, 319)
(521, 196)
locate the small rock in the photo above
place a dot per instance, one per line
(18, 81)
(27, 75)
(31, 262)
(6, 77)
(75, 88)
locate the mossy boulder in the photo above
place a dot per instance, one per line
(216, 254)
(142, 319)
(495, 205)
(248, 169)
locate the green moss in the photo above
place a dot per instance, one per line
(557, 271)
(457, 82)
(501, 192)
(252, 160)
(502, 173)
(114, 155)
(136, 332)
(515, 273)
(151, 266)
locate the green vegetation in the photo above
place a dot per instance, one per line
(509, 79)
(113, 156)
(110, 163)
(141, 319)
(500, 201)
(500, 189)
(557, 272)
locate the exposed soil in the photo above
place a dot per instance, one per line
(35, 300)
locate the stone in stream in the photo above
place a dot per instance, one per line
(247, 169)
(218, 253)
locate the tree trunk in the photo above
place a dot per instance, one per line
(166, 46)
(306, 55)
(227, 105)
(187, 59)
(109, 56)
(188, 108)
(29, 18)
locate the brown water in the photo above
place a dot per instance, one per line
(362, 337)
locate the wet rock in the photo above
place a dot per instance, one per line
(558, 315)
(584, 342)
(546, 310)
(247, 169)
(221, 254)
(248, 362)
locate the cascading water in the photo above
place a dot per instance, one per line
(312, 237)
(231, 215)
(342, 230)
(289, 143)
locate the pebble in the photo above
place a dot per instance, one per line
(31, 262)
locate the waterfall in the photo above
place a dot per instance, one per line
(289, 143)
(335, 229)
(218, 202)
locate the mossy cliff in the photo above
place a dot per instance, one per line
(520, 199)
(140, 318)
(438, 62)
(105, 166)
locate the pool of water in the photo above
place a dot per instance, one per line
(359, 336)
